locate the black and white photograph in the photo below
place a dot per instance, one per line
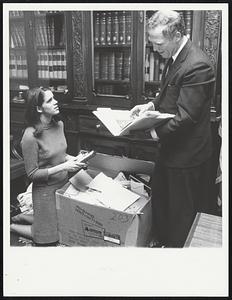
(116, 160)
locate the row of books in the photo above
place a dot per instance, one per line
(112, 65)
(47, 34)
(154, 66)
(17, 35)
(51, 64)
(18, 65)
(45, 12)
(16, 13)
(112, 28)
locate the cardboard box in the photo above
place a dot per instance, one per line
(83, 224)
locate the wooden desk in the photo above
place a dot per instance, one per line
(17, 168)
(206, 231)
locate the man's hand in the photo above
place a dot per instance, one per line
(139, 109)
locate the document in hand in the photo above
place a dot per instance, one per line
(119, 122)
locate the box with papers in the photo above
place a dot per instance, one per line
(101, 213)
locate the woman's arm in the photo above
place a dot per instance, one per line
(30, 152)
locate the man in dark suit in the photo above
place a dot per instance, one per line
(180, 183)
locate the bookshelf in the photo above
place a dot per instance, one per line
(112, 53)
(38, 52)
(18, 64)
(50, 45)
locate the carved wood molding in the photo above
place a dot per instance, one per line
(212, 35)
(78, 55)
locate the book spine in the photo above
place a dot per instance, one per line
(45, 33)
(115, 29)
(118, 65)
(42, 64)
(12, 45)
(42, 31)
(52, 30)
(62, 36)
(111, 65)
(17, 39)
(96, 65)
(108, 28)
(151, 66)
(20, 63)
(104, 66)
(50, 67)
(128, 28)
(103, 28)
(21, 35)
(188, 23)
(126, 64)
(97, 30)
(64, 70)
(17, 67)
(49, 32)
(122, 28)
(37, 37)
(46, 66)
(54, 61)
(14, 70)
(147, 65)
(24, 65)
(59, 66)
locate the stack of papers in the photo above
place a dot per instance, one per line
(102, 190)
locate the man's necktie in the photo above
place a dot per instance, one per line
(167, 68)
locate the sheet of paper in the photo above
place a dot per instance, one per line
(112, 195)
(114, 120)
(90, 197)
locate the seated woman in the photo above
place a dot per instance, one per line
(47, 165)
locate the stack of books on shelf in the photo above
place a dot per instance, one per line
(47, 35)
(18, 65)
(16, 13)
(112, 28)
(17, 35)
(51, 64)
(43, 12)
(112, 65)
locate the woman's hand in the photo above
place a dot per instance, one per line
(72, 165)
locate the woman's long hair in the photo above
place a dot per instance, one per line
(34, 99)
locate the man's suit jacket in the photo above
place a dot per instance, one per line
(186, 92)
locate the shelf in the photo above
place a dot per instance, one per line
(18, 49)
(19, 78)
(112, 46)
(152, 82)
(105, 81)
(49, 14)
(50, 47)
(16, 18)
(53, 79)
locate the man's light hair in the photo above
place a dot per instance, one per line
(172, 21)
